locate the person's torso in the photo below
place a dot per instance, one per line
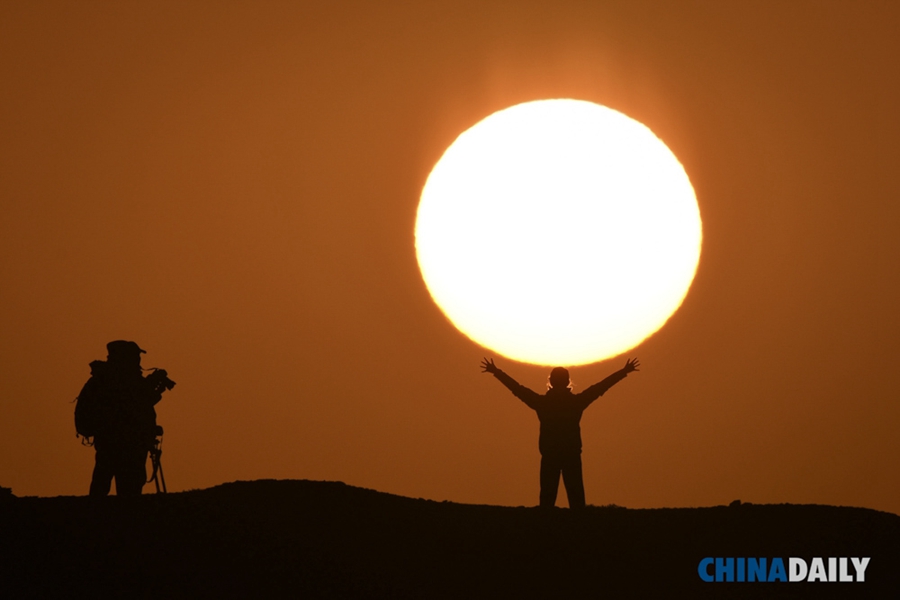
(560, 416)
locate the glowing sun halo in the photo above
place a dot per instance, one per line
(558, 232)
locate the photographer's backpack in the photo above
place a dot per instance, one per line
(87, 406)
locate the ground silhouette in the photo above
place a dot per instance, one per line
(308, 539)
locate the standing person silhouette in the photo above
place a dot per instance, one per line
(559, 411)
(116, 411)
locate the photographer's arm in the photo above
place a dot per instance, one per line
(158, 381)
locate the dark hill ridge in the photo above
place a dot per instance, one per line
(309, 539)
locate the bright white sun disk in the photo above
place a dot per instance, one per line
(558, 232)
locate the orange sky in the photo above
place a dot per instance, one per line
(234, 186)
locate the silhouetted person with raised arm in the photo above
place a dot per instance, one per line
(115, 412)
(559, 411)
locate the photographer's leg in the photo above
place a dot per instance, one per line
(132, 473)
(101, 480)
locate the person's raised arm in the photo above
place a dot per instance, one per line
(526, 395)
(598, 389)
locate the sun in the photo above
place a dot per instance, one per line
(558, 232)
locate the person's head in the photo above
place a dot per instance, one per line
(123, 354)
(559, 378)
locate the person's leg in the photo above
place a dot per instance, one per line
(131, 474)
(574, 481)
(101, 480)
(549, 481)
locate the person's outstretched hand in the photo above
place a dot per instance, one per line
(488, 366)
(631, 364)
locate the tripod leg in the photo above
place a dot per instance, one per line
(162, 478)
(154, 460)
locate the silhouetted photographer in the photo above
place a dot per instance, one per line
(115, 412)
(559, 411)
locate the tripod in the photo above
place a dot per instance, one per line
(155, 454)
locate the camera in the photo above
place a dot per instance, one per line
(160, 378)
